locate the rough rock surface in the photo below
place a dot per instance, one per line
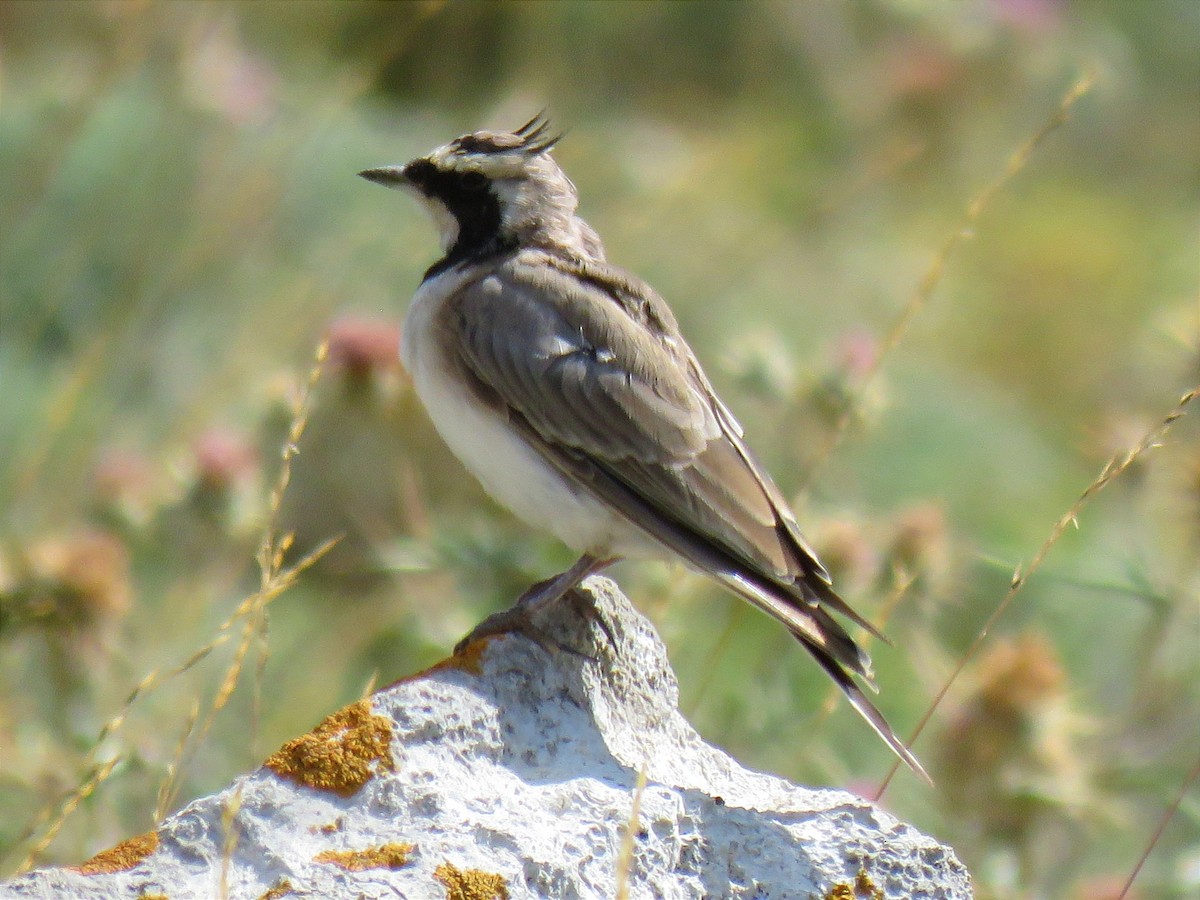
(510, 771)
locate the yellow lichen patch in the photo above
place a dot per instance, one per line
(339, 755)
(862, 889)
(279, 889)
(153, 897)
(385, 856)
(125, 855)
(470, 884)
(469, 659)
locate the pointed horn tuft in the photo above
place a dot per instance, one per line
(536, 136)
(538, 121)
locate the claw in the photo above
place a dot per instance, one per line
(519, 618)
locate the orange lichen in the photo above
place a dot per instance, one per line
(470, 884)
(279, 889)
(125, 855)
(865, 887)
(385, 856)
(469, 659)
(862, 889)
(339, 755)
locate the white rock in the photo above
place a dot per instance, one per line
(510, 771)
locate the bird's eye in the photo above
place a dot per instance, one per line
(474, 181)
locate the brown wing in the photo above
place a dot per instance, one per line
(589, 365)
(587, 373)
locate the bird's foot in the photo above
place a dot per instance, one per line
(586, 609)
(520, 617)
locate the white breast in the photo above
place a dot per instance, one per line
(507, 467)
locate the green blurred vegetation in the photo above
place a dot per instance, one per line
(181, 226)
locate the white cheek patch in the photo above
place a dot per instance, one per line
(443, 220)
(512, 203)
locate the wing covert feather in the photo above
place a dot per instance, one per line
(594, 367)
(592, 370)
(578, 378)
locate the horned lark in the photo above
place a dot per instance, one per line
(563, 383)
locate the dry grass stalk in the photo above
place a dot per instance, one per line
(937, 267)
(229, 844)
(1111, 471)
(625, 858)
(272, 577)
(274, 581)
(1167, 815)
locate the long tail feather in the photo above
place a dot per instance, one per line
(867, 710)
(802, 606)
(827, 596)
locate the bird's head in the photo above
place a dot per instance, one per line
(493, 190)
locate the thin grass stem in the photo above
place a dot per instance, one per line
(1111, 471)
(1168, 814)
(933, 275)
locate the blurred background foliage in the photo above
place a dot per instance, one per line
(181, 225)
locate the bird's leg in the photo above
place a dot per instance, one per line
(519, 617)
(547, 592)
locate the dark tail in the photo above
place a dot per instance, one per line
(822, 636)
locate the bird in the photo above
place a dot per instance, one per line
(564, 385)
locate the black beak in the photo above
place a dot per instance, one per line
(388, 176)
